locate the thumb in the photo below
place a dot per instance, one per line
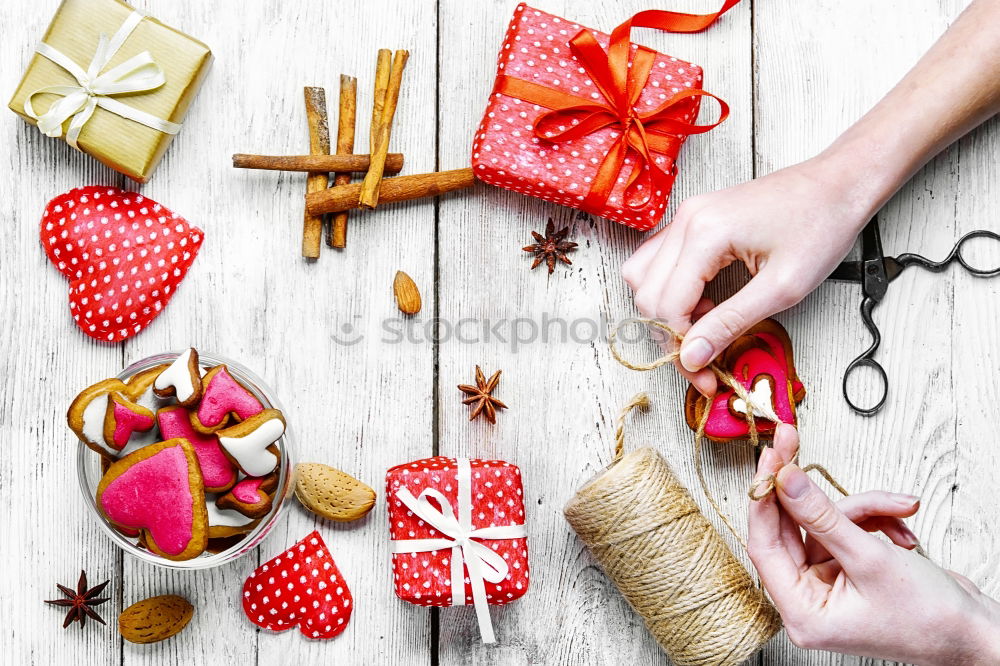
(812, 510)
(720, 326)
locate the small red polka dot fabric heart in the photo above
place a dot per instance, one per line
(301, 588)
(123, 253)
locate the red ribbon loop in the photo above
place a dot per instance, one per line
(621, 81)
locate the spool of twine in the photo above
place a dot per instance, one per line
(670, 563)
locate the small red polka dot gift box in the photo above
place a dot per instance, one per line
(589, 120)
(457, 534)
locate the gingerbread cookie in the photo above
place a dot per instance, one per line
(762, 362)
(250, 444)
(181, 379)
(217, 472)
(224, 523)
(222, 396)
(159, 490)
(87, 412)
(122, 418)
(252, 497)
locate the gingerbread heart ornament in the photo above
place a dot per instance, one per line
(762, 362)
(301, 588)
(123, 253)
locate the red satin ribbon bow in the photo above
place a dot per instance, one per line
(620, 81)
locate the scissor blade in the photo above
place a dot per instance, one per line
(892, 268)
(848, 271)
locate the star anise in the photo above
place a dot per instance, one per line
(550, 247)
(81, 602)
(481, 396)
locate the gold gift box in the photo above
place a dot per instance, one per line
(122, 144)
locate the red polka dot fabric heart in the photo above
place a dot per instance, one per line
(123, 253)
(301, 588)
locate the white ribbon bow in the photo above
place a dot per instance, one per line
(139, 73)
(483, 563)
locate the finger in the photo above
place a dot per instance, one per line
(759, 299)
(786, 442)
(635, 267)
(857, 551)
(650, 287)
(703, 380)
(874, 511)
(768, 551)
(785, 446)
(659, 268)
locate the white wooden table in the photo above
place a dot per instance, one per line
(795, 78)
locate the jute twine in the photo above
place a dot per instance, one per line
(760, 488)
(669, 563)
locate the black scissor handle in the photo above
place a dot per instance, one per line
(866, 360)
(911, 259)
(978, 272)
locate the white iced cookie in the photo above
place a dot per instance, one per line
(762, 400)
(86, 415)
(226, 522)
(181, 379)
(249, 445)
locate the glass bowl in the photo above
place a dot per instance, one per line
(88, 464)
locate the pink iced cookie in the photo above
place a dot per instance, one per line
(122, 418)
(159, 489)
(218, 473)
(222, 395)
(253, 496)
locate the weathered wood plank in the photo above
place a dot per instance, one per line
(48, 536)
(563, 394)
(842, 66)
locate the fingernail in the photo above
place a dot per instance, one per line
(911, 538)
(766, 462)
(695, 354)
(907, 500)
(792, 481)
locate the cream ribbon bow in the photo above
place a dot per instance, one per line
(483, 563)
(139, 73)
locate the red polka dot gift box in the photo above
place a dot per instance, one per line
(589, 120)
(457, 534)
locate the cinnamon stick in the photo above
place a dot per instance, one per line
(325, 163)
(345, 145)
(319, 144)
(400, 188)
(383, 67)
(373, 179)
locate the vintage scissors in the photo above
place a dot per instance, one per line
(874, 272)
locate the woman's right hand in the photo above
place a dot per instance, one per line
(846, 590)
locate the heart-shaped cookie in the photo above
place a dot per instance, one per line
(159, 489)
(123, 253)
(301, 588)
(217, 472)
(761, 361)
(252, 497)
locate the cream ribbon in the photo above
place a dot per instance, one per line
(139, 73)
(483, 563)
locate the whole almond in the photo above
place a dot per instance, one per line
(155, 619)
(407, 294)
(332, 494)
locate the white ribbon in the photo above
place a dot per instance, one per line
(483, 563)
(139, 73)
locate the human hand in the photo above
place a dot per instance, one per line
(845, 590)
(790, 228)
